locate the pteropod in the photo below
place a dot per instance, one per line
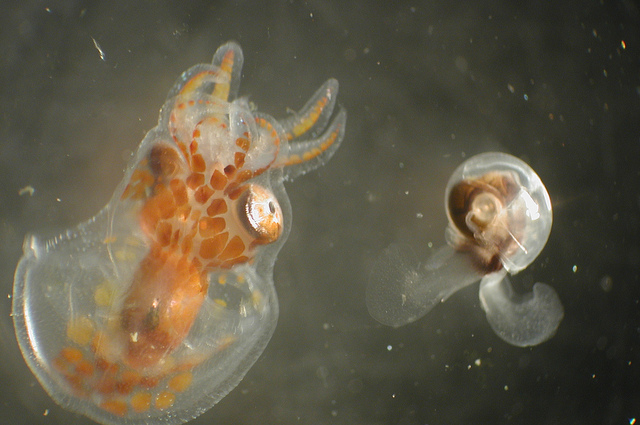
(499, 221)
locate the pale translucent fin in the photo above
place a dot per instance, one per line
(401, 292)
(521, 320)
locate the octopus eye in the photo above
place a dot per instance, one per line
(260, 214)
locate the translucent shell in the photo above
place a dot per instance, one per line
(499, 221)
(154, 309)
(497, 202)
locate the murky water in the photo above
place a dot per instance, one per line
(426, 85)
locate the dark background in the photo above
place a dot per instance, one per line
(426, 85)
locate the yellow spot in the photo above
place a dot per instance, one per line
(220, 302)
(168, 364)
(240, 278)
(124, 255)
(71, 355)
(80, 330)
(110, 239)
(222, 279)
(141, 401)
(294, 159)
(103, 296)
(226, 342)
(256, 298)
(181, 382)
(117, 407)
(132, 241)
(165, 400)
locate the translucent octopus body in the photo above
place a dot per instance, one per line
(156, 308)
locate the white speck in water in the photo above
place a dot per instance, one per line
(419, 215)
(506, 388)
(27, 190)
(46, 412)
(99, 49)
(574, 268)
(389, 347)
(606, 283)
